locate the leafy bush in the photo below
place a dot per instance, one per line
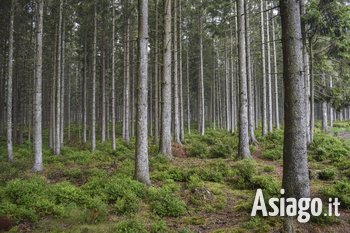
(198, 149)
(268, 184)
(166, 203)
(328, 174)
(246, 169)
(221, 151)
(159, 227)
(341, 190)
(130, 226)
(272, 154)
(327, 147)
(127, 204)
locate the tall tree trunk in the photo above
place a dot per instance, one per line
(165, 142)
(201, 115)
(263, 71)
(312, 92)
(233, 84)
(324, 107)
(306, 71)
(176, 81)
(57, 148)
(9, 85)
(156, 79)
(142, 168)
(269, 86)
(249, 76)
(244, 151)
(93, 110)
(63, 80)
(84, 89)
(227, 88)
(295, 172)
(275, 65)
(181, 111)
(331, 112)
(113, 77)
(126, 119)
(188, 90)
(103, 120)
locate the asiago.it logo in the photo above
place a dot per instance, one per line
(303, 208)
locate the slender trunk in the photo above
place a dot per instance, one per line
(176, 81)
(263, 71)
(84, 110)
(142, 168)
(93, 110)
(324, 107)
(295, 172)
(269, 86)
(103, 120)
(188, 91)
(9, 85)
(227, 88)
(330, 105)
(63, 81)
(113, 77)
(252, 138)
(201, 115)
(275, 65)
(233, 85)
(306, 72)
(181, 110)
(244, 151)
(312, 93)
(156, 80)
(57, 143)
(165, 142)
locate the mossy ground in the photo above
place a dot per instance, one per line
(206, 189)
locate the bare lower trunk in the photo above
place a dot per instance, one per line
(84, 103)
(9, 85)
(165, 142)
(113, 78)
(244, 151)
(181, 104)
(142, 168)
(57, 143)
(93, 112)
(324, 108)
(312, 93)
(176, 81)
(201, 115)
(295, 165)
(263, 71)
(156, 80)
(269, 86)
(252, 138)
(331, 112)
(275, 65)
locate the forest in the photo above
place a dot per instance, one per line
(165, 116)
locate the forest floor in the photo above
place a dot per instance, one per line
(204, 188)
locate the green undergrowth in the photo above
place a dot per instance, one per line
(96, 190)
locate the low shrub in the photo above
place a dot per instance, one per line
(128, 204)
(130, 226)
(165, 203)
(272, 154)
(197, 149)
(327, 174)
(340, 189)
(221, 151)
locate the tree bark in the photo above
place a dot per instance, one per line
(176, 81)
(165, 142)
(57, 143)
(84, 97)
(142, 168)
(252, 138)
(9, 85)
(113, 77)
(244, 151)
(181, 104)
(295, 172)
(269, 86)
(263, 71)
(275, 65)
(201, 112)
(324, 107)
(188, 90)
(156, 79)
(93, 111)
